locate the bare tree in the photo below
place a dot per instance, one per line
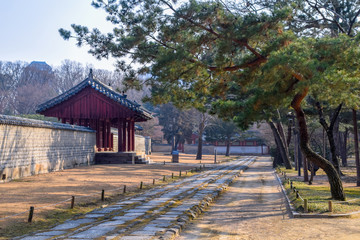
(68, 74)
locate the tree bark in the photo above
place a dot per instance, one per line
(200, 142)
(312, 173)
(296, 153)
(343, 136)
(282, 136)
(199, 149)
(356, 142)
(278, 161)
(227, 148)
(330, 133)
(288, 140)
(284, 154)
(306, 173)
(337, 138)
(336, 187)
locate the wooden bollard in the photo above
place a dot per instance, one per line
(330, 206)
(124, 191)
(297, 194)
(153, 181)
(172, 175)
(72, 202)
(180, 173)
(31, 214)
(141, 185)
(294, 189)
(103, 195)
(306, 208)
(164, 178)
(291, 184)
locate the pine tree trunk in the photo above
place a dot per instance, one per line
(312, 173)
(330, 133)
(281, 145)
(356, 142)
(282, 136)
(336, 139)
(288, 140)
(278, 161)
(200, 142)
(296, 153)
(199, 149)
(306, 173)
(227, 148)
(343, 146)
(335, 160)
(336, 187)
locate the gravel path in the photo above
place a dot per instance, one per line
(253, 208)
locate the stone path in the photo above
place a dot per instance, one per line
(253, 208)
(158, 213)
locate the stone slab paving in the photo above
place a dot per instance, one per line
(155, 214)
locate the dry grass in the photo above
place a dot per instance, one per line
(318, 194)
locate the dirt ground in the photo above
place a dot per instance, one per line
(43, 190)
(253, 209)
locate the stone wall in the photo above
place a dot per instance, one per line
(243, 150)
(142, 144)
(29, 147)
(188, 148)
(210, 149)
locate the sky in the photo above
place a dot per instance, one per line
(29, 31)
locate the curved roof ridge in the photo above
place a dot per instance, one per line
(100, 87)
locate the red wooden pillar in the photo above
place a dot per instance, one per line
(108, 130)
(129, 141)
(120, 136)
(97, 124)
(104, 135)
(124, 136)
(132, 135)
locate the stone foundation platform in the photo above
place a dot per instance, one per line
(120, 158)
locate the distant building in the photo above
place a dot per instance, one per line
(42, 66)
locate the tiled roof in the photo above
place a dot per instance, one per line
(100, 87)
(11, 120)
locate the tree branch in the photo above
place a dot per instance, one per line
(335, 116)
(321, 116)
(325, 18)
(352, 22)
(253, 63)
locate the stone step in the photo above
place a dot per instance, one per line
(119, 158)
